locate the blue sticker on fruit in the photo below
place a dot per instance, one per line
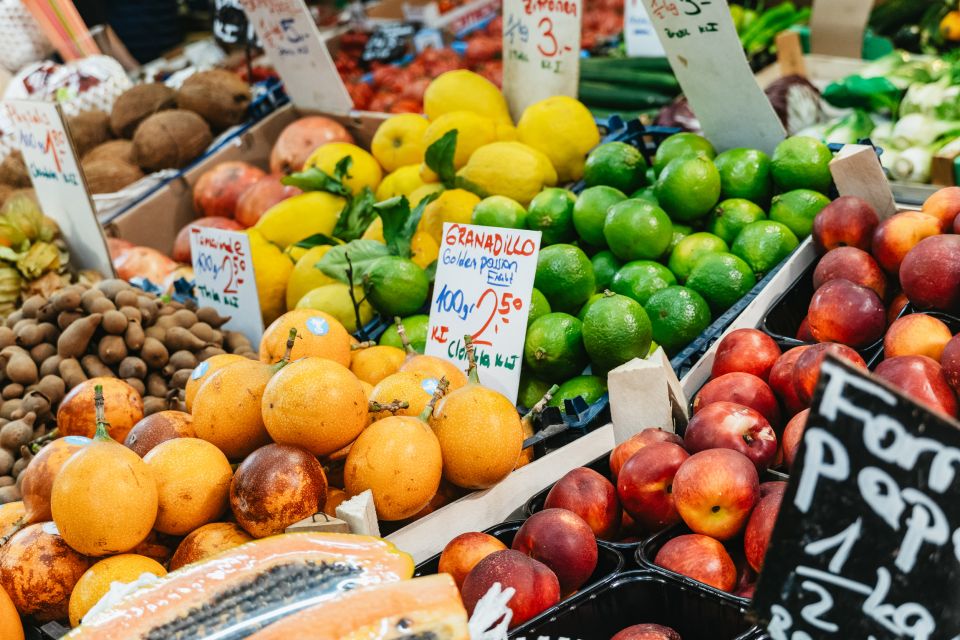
(200, 370)
(318, 326)
(430, 385)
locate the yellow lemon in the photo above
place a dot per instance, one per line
(424, 249)
(506, 132)
(399, 141)
(364, 172)
(306, 276)
(564, 130)
(300, 217)
(473, 131)
(422, 192)
(509, 169)
(463, 90)
(401, 182)
(272, 269)
(295, 252)
(334, 299)
(454, 205)
(96, 581)
(374, 231)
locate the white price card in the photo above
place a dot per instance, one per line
(41, 134)
(541, 50)
(708, 60)
(483, 287)
(837, 27)
(294, 46)
(638, 32)
(223, 270)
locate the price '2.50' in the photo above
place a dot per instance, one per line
(453, 301)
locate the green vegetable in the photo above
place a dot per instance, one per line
(856, 92)
(652, 81)
(761, 24)
(601, 94)
(637, 64)
(850, 129)
(764, 39)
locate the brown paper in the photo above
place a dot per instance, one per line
(837, 27)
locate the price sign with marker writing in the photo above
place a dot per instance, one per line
(639, 34)
(483, 287)
(541, 50)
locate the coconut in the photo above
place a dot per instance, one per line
(112, 150)
(88, 129)
(220, 97)
(13, 171)
(137, 104)
(170, 139)
(109, 175)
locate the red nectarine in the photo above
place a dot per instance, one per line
(699, 557)
(715, 491)
(747, 351)
(592, 497)
(645, 485)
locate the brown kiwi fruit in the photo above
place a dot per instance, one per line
(170, 139)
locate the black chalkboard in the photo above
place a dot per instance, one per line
(867, 543)
(388, 43)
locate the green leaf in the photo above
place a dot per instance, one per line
(340, 170)
(439, 157)
(356, 215)
(399, 223)
(313, 179)
(431, 271)
(317, 240)
(363, 253)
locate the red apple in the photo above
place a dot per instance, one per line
(792, 435)
(772, 486)
(218, 190)
(944, 205)
(741, 388)
(930, 274)
(844, 312)
(623, 451)
(900, 233)
(803, 331)
(262, 195)
(950, 361)
(747, 351)
(855, 265)
(715, 490)
(536, 585)
(916, 334)
(922, 379)
(647, 632)
(562, 541)
(756, 537)
(806, 370)
(848, 221)
(463, 553)
(729, 425)
(592, 497)
(781, 379)
(181, 246)
(645, 485)
(699, 557)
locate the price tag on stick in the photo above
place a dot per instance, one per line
(541, 50)
(225, 280)
(708, 60)
(293, 43)
(867, 542)
(51, 161)
(639, 34)
(483, 287)
(837, 27)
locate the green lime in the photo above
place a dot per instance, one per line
(499, 211)
(679, 145)
(647, 193)
(729, 218)
(590, 388)
(551, 213)
(722, 279)
(637, 230)
(802, 163)
(797, 209)
(396, 286)
(565, 277)
(605, 266)
(416, 329)
(586, 306)
(678, 315)
(745, 173)
(641, 279)
(688, 188)
(616, 329)
(616, 164)
(690, 249)
(680, 231)
(531, 390)
(653, 347)
(590, 211)
(554, 347)
(538, 306)
(764, 244)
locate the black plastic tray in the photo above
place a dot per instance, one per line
(637, 597)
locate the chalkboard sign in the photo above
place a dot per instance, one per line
(388, 43)
(867, 544)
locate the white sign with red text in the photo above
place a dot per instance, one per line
(483, 287)
(292, 42)
(224, 279)
(51, 161)
(541, 50)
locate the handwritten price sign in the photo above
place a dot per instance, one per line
(541, 50)
(225, 280)
(705, 54)
(483, 288)
(52, 163)
(639, 34)
(294, 46)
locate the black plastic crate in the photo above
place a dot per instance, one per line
(638, 597)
